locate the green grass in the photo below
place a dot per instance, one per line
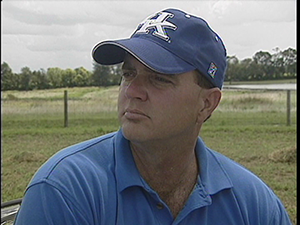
(249, 127)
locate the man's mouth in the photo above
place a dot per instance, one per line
(135, 114)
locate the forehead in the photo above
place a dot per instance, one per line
(130, 62)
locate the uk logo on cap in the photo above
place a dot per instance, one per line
(159, 23)
(212, 70)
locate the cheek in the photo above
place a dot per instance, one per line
(181, 108)
(121, 102)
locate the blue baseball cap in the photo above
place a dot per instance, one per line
(170, 42)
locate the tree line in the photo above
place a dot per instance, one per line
(262, 66)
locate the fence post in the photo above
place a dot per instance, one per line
(65, 108)
(288, 107)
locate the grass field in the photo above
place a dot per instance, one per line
(249, 127)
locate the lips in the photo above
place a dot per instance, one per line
(135, 114)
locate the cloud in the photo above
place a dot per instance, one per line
(14, 27)
(48, 12)
(243, 12)
(69, 13)
(40, 33)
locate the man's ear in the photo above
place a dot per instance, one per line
(211, 98)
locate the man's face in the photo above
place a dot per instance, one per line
(155, 106)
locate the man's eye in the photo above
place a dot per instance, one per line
(161, 79)
(127, 75)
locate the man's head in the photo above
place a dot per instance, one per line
(173, 70)
(170, 42)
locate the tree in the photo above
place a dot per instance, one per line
(25, 78)
(83, 77)
(39, 80)
(55, 77)
(9, 80)
(290, 61)
(101, 75)
(264, 63)
(249, 70)
(68, 78)
(232, 71)
(116, 72)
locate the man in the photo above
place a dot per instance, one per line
(155, 169)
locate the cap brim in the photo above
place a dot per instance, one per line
(149, 53)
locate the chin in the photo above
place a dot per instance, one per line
(135, 134)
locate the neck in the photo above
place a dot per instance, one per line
(165, 161)
(171, 170)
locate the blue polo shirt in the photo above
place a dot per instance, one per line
(97, 182)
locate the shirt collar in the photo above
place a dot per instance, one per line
(127, 173)
(213, 177)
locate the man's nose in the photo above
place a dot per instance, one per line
(137, 88)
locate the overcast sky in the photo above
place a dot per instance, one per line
(44, 34)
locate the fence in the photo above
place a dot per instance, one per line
(270, 87)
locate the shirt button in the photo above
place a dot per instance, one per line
(159, 205)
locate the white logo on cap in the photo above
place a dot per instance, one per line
(159, 23)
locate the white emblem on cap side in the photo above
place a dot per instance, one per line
(159, 23)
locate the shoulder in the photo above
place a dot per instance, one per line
(76, 159)
(254, 197)
(78, 180)
(242, 178)
(239, 175)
